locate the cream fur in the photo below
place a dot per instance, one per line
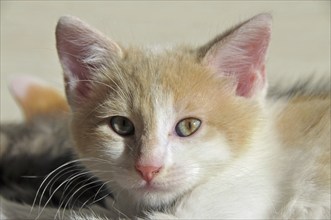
(238, 165)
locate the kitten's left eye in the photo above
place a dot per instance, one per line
(122, 125)
(187, 127)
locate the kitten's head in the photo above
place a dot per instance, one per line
(157, 123)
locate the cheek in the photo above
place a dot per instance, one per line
(209, 147)
(114, 150)
(215, 148)
(106, 145)
(109, 155)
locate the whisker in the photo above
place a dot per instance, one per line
(53, 172)
(58, 178)
(76, 191)
(54, 193)
(94, 197)
(43, 182)
(70, 181)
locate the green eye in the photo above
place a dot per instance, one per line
(122, 125)
(187, 127)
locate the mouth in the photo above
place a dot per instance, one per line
(162, 185)
(150, 187)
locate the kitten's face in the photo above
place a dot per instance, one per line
(155, 92)
(157, 124)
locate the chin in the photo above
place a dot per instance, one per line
(154, 197)
(156, 194)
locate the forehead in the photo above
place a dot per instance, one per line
(169, 68)
(173, 74)
(147, 84)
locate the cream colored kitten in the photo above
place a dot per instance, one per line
(189, 133)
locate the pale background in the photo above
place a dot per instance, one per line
(300, 42)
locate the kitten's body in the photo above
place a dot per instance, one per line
(303, 128)
(252, 157)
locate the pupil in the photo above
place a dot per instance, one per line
(189, 125)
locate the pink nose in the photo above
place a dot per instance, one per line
(147, 172)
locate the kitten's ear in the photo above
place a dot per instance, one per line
(240, 53)
(36, 97)
(82, 51)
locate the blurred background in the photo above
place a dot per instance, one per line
(300, 41)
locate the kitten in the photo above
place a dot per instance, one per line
(189, 133)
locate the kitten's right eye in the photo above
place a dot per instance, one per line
(122, 125)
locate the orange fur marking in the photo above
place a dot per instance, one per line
(42, 100)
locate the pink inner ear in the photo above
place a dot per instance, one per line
(82, 51)
(248, 83)
(247, 66)
(77, 74)
(242, 56)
